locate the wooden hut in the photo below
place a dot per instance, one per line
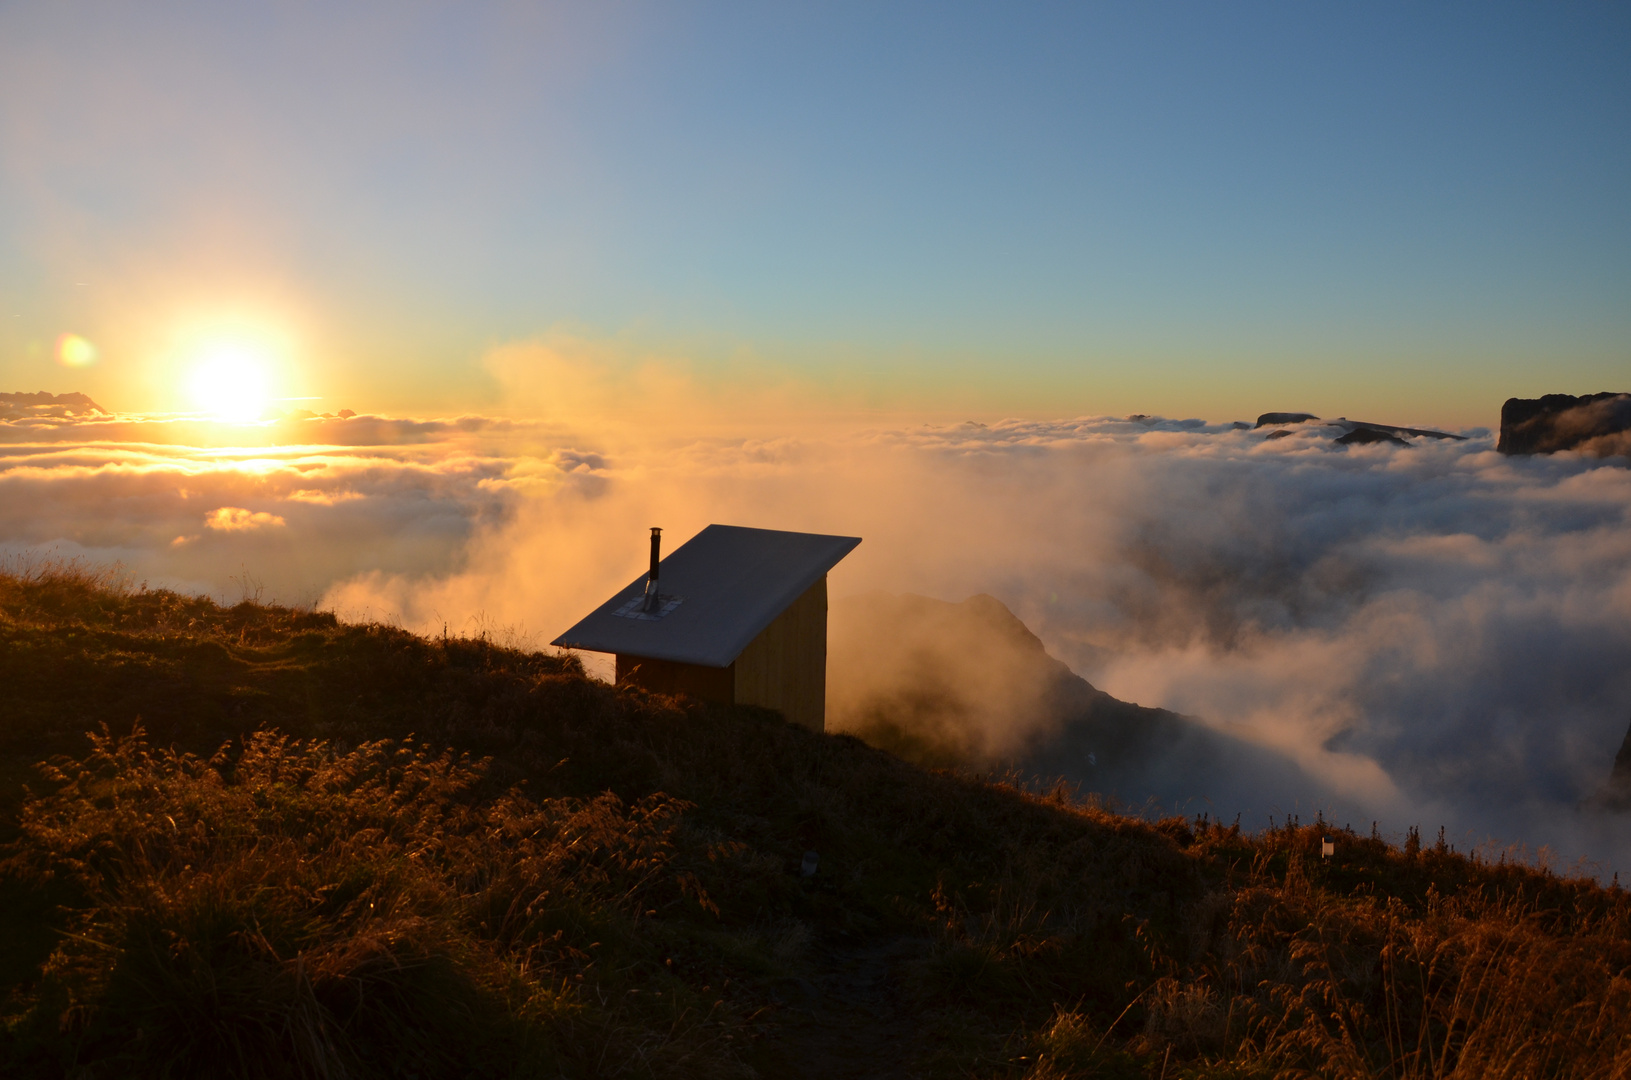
(734, 615)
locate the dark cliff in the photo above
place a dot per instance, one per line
(1597, 424)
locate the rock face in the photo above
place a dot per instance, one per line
(968, 685)
(1598, 424)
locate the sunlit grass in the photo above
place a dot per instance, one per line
(336, 849)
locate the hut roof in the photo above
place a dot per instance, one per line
(719, 590)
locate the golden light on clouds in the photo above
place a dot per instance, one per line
(324, 498)
(238, 519)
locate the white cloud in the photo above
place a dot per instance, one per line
(1435, 633)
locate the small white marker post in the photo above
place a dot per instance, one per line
(1328, 848)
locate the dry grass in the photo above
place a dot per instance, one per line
(1293, 972)
(290, 909)
(333, 850)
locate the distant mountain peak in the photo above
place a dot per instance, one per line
(969, 685)
(21, 406)
(1355, 432)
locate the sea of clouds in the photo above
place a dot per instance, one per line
(1432, 634)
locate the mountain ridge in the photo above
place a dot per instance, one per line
(899, 679)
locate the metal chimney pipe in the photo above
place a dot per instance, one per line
(650, 603)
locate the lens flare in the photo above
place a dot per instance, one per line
(74, 351)
(231, 382)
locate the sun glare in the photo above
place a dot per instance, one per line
(75, 352)
(232, 382)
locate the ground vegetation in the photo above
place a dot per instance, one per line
(252, 840)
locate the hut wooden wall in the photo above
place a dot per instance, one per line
(785, 667)
(668, 677)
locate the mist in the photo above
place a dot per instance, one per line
(1432, 634)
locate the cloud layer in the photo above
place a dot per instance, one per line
(280, 510)
(1433, 633)
(1436, 633)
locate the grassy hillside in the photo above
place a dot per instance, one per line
(269, 844)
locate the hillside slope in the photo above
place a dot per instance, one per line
(901, 678)
(293, 847)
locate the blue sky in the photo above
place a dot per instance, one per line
(1408, 212)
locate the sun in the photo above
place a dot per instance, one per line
(232, 382)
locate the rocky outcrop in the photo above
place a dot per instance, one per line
(968, 685)
(1596, 424)
(1274, 419)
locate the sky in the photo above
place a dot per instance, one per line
(424, 314)
(1401, 212)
